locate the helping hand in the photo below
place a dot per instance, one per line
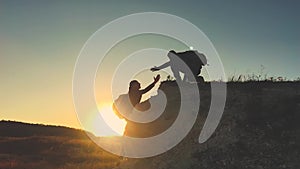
(154, 69)
(156, 79)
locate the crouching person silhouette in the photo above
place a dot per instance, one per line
(193, 59)
(125, 103)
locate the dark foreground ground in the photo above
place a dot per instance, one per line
(259, 129)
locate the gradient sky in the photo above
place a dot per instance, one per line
(40, 41)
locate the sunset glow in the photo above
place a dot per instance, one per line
(41, 41)
(116, 124)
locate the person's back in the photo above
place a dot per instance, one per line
(122, 106)
(135, 94)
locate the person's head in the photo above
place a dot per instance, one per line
(134, 85)
(171, 53)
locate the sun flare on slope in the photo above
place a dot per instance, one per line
(112, 120)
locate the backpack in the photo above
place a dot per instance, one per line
(122, 106)
(192, 57)
(202, 57)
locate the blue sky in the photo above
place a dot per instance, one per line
(40, 41)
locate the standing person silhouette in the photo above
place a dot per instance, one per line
(193, 59)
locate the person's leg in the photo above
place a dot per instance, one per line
(185, 78)
(175, 72)
(175, 66)
(196, 70)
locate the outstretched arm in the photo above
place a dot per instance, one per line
(161, 66)
(148, 88)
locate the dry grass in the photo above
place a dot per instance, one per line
(50, 152)
(260, 76)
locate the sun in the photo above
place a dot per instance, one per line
(111, 119)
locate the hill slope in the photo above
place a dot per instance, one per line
(27, 146)
(259, 129)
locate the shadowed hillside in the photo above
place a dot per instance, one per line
(259, 129)
(19, 129)
(28, 146)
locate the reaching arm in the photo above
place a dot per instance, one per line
(148, 88)
(161, 66)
